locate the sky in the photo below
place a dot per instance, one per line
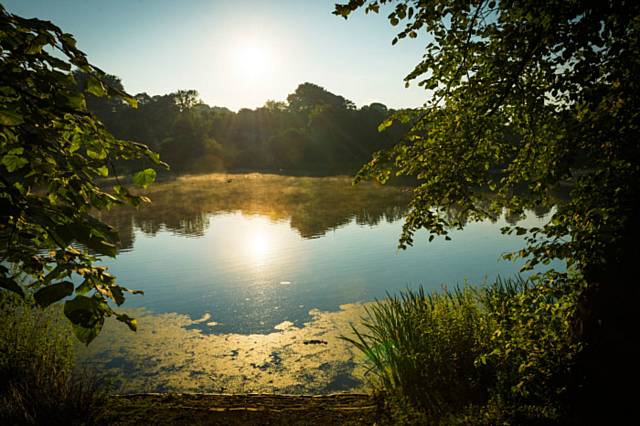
(238, 53)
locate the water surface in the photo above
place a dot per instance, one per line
(272, 259)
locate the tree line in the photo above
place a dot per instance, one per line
(313, 131)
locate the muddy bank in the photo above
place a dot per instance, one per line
(252, 409)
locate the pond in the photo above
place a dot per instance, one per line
(249, 280)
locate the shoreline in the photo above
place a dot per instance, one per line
(243, 409)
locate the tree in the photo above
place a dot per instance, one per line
(52, 151)
(308, 96)
(186, 99)
(275, 106)
(525, 96)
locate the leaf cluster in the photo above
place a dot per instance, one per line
(53, 151)
(524, 97)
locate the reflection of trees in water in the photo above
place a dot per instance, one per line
(454, 215)
(373, 217)
(123, 223)
(311, 205)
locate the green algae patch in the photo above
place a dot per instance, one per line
(166, 354)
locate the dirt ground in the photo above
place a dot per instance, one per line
(249, 409)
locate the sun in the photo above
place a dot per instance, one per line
(252, 60)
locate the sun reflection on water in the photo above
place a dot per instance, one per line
(258, 245)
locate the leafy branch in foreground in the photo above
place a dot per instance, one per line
(52, 151)
(524, 97)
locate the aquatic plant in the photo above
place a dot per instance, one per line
(498, 352)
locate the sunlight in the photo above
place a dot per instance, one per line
(252, 60)
(258, 245)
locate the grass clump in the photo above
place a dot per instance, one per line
(498, 354)
(38, 382)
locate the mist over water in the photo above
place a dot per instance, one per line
(249, 252)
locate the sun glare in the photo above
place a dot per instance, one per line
(258, 245)
(252, 61)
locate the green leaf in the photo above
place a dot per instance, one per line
(68, 40)
(386, 123)
(103, 171)
(13, 162)
(87, 334)
(55, 272)
(115, 292)
(93, 234)
(57, 63)
(83, 311)
(16, 151)
(10, 118)
(75, 144)
(77, 101)
(11, 285)
(95, 87)
(53, 293)
(144, 178)
(97, 153)
(35, 46)
(131, 322)
(133, 102)
(85, 287)
(155, 157)
(87, 315)
(51, 145)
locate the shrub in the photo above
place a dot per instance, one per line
(533, 349)
(38, 383)
(494, 354)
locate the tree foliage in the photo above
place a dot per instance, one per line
(309, 96)
(523, 96)
(313, 131)
(52, 151)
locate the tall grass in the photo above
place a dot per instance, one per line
(38, 383)
(490, 354)
(423, 346)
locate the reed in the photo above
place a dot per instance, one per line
(472, 354)
(38, 381)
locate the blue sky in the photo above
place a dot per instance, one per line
(238, 53)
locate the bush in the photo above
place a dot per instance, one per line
(533, 349)
(496, 354)
(38, 384)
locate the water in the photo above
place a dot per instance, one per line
(282, 246)
(239, 271)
